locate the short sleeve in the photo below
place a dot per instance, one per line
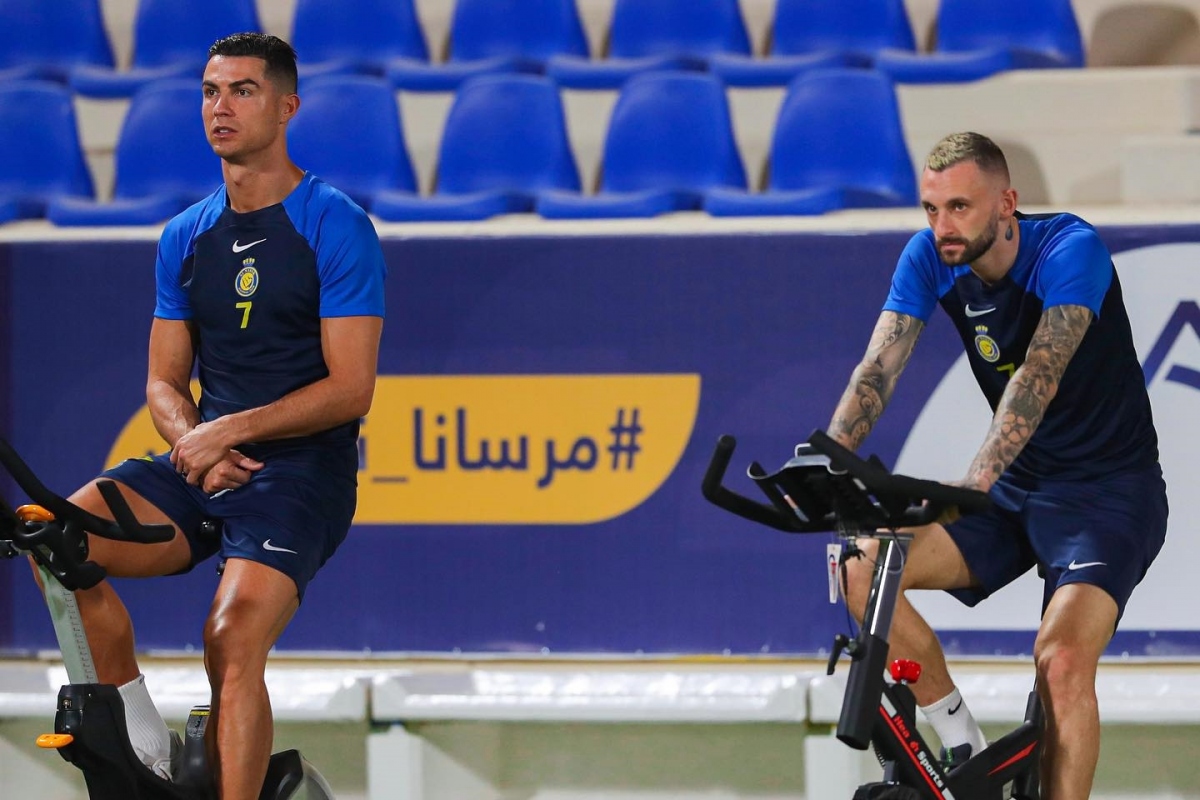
(171, 297)
(914, 287)
(350, 263)
(1076, 270)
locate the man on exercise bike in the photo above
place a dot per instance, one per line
(274, 286)
(1070, 459)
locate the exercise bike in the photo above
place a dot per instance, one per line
(826, 487)
(89, 725)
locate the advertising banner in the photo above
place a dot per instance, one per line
(530, 469)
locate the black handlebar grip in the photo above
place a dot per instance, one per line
(711, 484)
(126, 527)
(127, 523)
(731, 501)
(38, 493)
(938, 497)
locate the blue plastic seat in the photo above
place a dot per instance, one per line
(164, 162)
(41, 158)
(170, 40)
(9, 210)
(838, 143)
(334, 37)
(497, 36)
(505, 141)
(651, 35)
(45, 39)
(373, 158)
(669, 140)
(978, 38)
(809, 34)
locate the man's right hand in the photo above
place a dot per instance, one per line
(949, 514)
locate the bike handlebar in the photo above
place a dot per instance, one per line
(60, 546)
(826, 486)
(125, 528)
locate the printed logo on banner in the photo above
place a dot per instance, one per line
(506, 449)
(1161, 285)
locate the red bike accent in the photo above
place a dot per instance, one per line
(1027, 751)
(905, 671)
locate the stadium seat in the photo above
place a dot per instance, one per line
(505, 141)
(9, 210)
(373, 158)
(163, 161)
(670, 139)
(170, 40)
(497, 36)
(333, 37)
(44, 40)
(838, 143)
(41, 159)
(651, 35)
(808, 34)
(978, 38)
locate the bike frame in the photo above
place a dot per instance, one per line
(89, 724)
(826, 488)
(1005, 769)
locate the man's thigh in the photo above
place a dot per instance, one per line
(291, 516)
(132, 559)
(156, 494)
(1079, 617)
(1105, 532)
(254, 603)
(993, 544)
(935, 561)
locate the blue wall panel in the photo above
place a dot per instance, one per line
(772, 324)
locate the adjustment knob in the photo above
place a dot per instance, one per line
(905, 671)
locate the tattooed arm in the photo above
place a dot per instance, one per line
(1029, 392)
(874, 379)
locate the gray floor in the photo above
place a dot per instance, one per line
(543, 761)
(28, 772)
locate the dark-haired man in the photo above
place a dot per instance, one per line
(1070, 459)
(273, 286)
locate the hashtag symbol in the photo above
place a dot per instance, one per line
(624, 439)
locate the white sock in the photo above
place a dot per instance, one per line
(953, 722)
(148, 732)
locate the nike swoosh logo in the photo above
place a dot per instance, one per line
(1074, 566)
(954, 710)
(978, 312)
(238, 248)
(268, 546)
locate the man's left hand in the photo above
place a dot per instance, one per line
(199, 450)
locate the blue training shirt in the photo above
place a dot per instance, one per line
(256, 286)
(1100, 419)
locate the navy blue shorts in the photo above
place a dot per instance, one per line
(1104, 532)
(291, 515)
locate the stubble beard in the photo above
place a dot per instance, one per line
(974, 249)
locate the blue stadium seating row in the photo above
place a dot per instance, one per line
(838, 143)
(65, 40)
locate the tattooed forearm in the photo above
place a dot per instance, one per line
(860, 406)
(874, 379)
(1030, 391)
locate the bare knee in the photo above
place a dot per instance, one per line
(1066, 673)
(231, 651)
